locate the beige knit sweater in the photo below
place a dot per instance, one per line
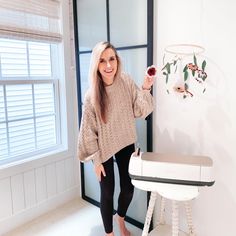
(99, 141)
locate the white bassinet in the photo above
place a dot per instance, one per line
(174, 177)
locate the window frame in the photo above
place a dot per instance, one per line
(32, 80)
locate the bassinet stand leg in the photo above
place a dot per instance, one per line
(188, 210)
(148, 219)
(162, 212)
(175, 218)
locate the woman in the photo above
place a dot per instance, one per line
(108, 128)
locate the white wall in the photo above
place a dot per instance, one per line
(204, 124)
(30, 189)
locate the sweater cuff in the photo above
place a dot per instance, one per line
(96, 162)
(96, 158)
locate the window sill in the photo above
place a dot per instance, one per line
(36, 161)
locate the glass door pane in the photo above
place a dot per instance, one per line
(134, 62)
(84, 68)
(91, 23)
(128, 22)
(90, 181)
(91, 184)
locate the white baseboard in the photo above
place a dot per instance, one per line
(29, 214)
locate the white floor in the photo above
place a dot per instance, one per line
(76, 218)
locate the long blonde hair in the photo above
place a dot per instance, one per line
(98, 93)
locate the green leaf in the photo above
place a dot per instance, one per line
(167, 77)
(186, 86)
(185, 75)
(195, 59)
(204, 90)
(164, 73)
(175, 69)
(203, 65)
(193, 72)
(185, 68)
(168, 91)
(175, 61)
(184, 96)
(168, 67)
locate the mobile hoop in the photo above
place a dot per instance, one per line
(184, 49)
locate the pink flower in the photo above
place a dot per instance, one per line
(192, 67)
(179, 89)
(151, 71)
(182, 89)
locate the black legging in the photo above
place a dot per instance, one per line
(107, 186)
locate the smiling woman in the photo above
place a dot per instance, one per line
(131, 34)
(108, 128)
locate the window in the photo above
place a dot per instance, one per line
(29, 114)
(30, 37)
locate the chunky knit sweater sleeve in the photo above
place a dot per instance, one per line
(88, 136)
(142, 100)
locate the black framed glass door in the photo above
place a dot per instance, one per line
(128, 25)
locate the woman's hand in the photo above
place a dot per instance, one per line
(151, 72)
(99, 170)
(148, 82)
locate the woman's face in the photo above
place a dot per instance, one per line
(107, 66)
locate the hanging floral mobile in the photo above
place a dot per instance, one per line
(188, 72)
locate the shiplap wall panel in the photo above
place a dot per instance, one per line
(29, 186)
(5, 198)
(17, 189)
(61, 177)
(51, 180)
(41, 184)
(70, 173)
